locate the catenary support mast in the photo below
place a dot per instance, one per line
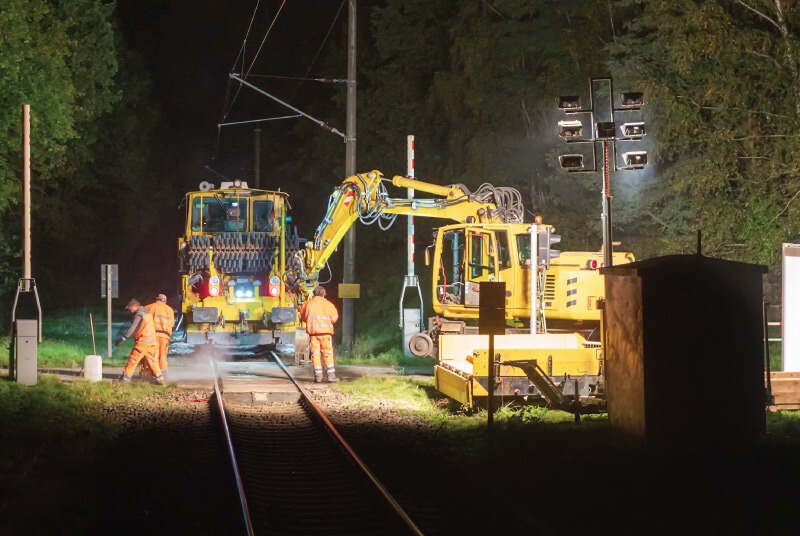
(348, 307)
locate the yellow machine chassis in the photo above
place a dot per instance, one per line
(462, 373)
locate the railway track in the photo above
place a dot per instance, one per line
(295, 474)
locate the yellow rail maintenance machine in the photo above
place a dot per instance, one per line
(232, 262)
(551, 350)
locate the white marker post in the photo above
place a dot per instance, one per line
(410, 163)
(410, 319)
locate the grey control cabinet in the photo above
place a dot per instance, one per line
(26, 348)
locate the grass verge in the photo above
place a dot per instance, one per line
(390, 358)
(67, 338)
(52, 418)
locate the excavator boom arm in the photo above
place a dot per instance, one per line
(364, 197)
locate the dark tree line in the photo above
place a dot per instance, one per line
(475, 82)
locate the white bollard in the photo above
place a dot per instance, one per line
(93, 368)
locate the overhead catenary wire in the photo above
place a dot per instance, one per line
(323, 124)
(228, 108)
(230, 101)
(246, 35)
(325, 39)
(324, 80)
(265, 37)
(259, 120)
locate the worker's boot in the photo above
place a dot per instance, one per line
(125, 378)
(318, 375)
(332, 376)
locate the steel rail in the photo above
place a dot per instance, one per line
(240, 488)
(350, 452)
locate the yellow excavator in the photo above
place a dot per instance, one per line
(551, 350)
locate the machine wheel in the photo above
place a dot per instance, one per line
(421, 345)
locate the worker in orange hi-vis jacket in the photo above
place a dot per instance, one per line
(143, 331)
(319, 315)
(164, 320)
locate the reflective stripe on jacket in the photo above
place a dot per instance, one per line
(319, 315)
(163, 318)
(146, 332)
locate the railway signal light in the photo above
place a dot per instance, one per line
(545, 239)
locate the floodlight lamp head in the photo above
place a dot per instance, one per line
(571, 162)
(633, 130)
(635, 159)
(206, 186)
(570, 129)
(631, 100)
(569, 103)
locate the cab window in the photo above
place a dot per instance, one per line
(504, 253)
(481, 257)
(219, 214)
(450, 278)
(524, 250)
(262, 216)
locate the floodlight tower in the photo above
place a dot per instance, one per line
(604, 132)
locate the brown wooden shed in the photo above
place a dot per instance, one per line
(684, 360)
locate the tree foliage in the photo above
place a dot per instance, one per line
(88, 133)
(477, 83)
(723, 83)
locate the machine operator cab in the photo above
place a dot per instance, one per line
(465, 255)
(232, 208)
(232, 261)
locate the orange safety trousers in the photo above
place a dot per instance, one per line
(148, 352)
(162, 351)
(321, 344)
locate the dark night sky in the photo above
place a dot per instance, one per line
(191, 47)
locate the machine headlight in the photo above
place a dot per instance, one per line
(213, 280)
(275, 281)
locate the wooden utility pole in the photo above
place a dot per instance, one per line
(348, 308)
(26, 196)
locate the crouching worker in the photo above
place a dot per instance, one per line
(163, 320)
(319, 315)
(143, 331)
